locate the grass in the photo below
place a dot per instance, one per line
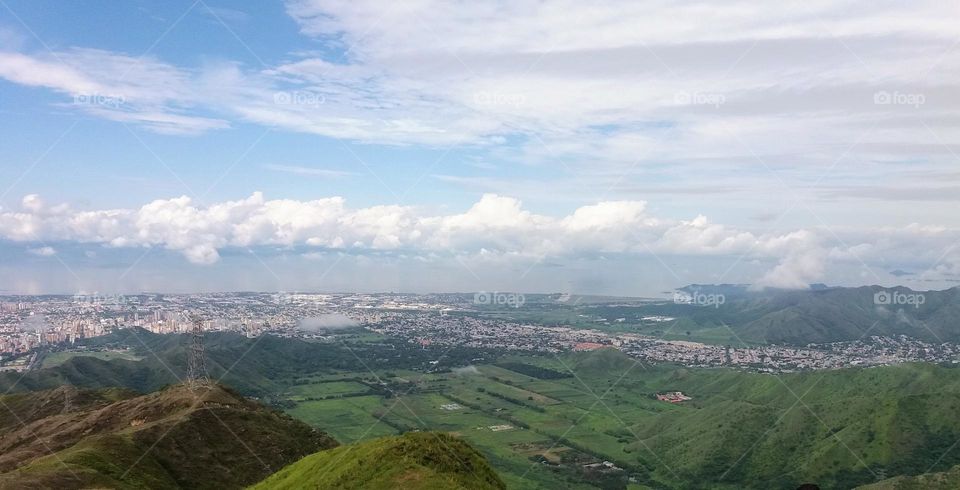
(177, 437)
(57, 358)
(330, 389)
(412, 461)
(744, 427)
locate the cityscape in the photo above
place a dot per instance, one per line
(30, 324)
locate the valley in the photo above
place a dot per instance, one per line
(594, 421)
(573, 419)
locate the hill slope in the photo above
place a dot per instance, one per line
(947, 480)
(852, 426)
(826, 315)
(416, 460)
(268, 361)
(199, 437)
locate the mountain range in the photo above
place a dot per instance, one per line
(206, 436)
(827, 314)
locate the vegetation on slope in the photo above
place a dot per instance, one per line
(947, 480)
(254, 367)
(740, 430)
(849, 426)
(416, 460)
(792, 317)
(182, 436)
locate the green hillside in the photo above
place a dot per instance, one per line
(193, 437)
(947, 480)
(851, 426)
(538, 424)
(602, 362)
(416, 460)
(267, 362)
(837, 314)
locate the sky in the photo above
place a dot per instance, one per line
(622, 148)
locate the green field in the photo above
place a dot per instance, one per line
(57, 358)
(320, 390)
(514, 419)
(739, 430)
(538, 419)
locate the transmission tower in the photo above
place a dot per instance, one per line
(196, 364)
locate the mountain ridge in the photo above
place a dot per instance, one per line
(413, 461)
(830, 314)
(181, 436)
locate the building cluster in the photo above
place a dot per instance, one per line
(673, 397)
(477, 331)
(28, 323)
(474, 331)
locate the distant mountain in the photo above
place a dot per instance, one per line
(413, 461)
(829, 314)
(179, 437)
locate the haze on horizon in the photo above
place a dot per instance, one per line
(436, 146)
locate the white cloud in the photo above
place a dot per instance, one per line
(600, 80)
(635, 98)
(114, 86)
(796, 271)
(756, 103)
(310, 171)
(43, 251)
(495, 226)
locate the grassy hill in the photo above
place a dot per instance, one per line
(194, 437)
(606, 361)
(851, 426)
(740, 430)
(416, 460)
(821, 314)
(947, 480)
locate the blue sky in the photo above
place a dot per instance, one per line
(597, 148)
(99, 163)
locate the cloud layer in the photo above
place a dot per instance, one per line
(495, 226)
(838, 102)
(445, 73)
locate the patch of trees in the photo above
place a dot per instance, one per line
(533, 370)
(516, 401)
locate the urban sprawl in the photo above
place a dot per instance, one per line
(28, 324)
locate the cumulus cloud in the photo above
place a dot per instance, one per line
(495, 226)
(43, 251)
(796, 271)
(745, 102)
